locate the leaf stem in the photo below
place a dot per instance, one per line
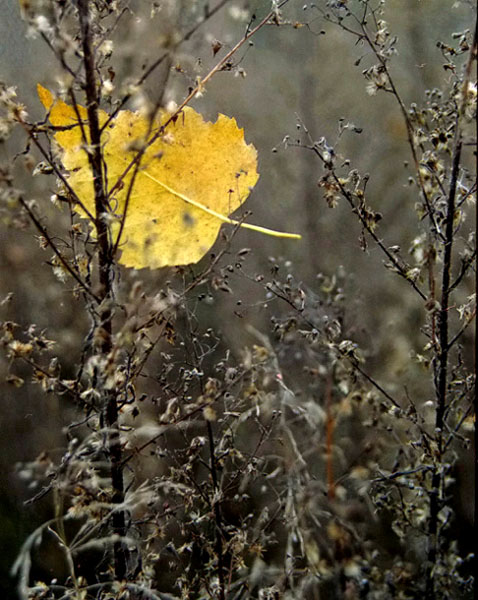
(213, 213)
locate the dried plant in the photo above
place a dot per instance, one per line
(290, 468)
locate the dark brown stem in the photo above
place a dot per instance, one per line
(445, 346)
(94, 152)
(105, 268)
(475, 399)
(442, 367)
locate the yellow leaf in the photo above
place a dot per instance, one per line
(190, 179)
(62, 115)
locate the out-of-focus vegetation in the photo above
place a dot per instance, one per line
(294, 419)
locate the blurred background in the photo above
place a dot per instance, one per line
(303, 72)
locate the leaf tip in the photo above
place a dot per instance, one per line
(46, 97)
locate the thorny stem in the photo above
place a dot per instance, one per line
(105, 268)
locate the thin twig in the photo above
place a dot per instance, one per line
(159, 61)
(66, 265)
(343, 353)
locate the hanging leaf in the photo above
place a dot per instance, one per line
(190, 179)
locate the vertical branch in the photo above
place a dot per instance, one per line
(442, 366)
(475, 399)
(474, 56)
(105, 267)
(94, 153)
(444, 345)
